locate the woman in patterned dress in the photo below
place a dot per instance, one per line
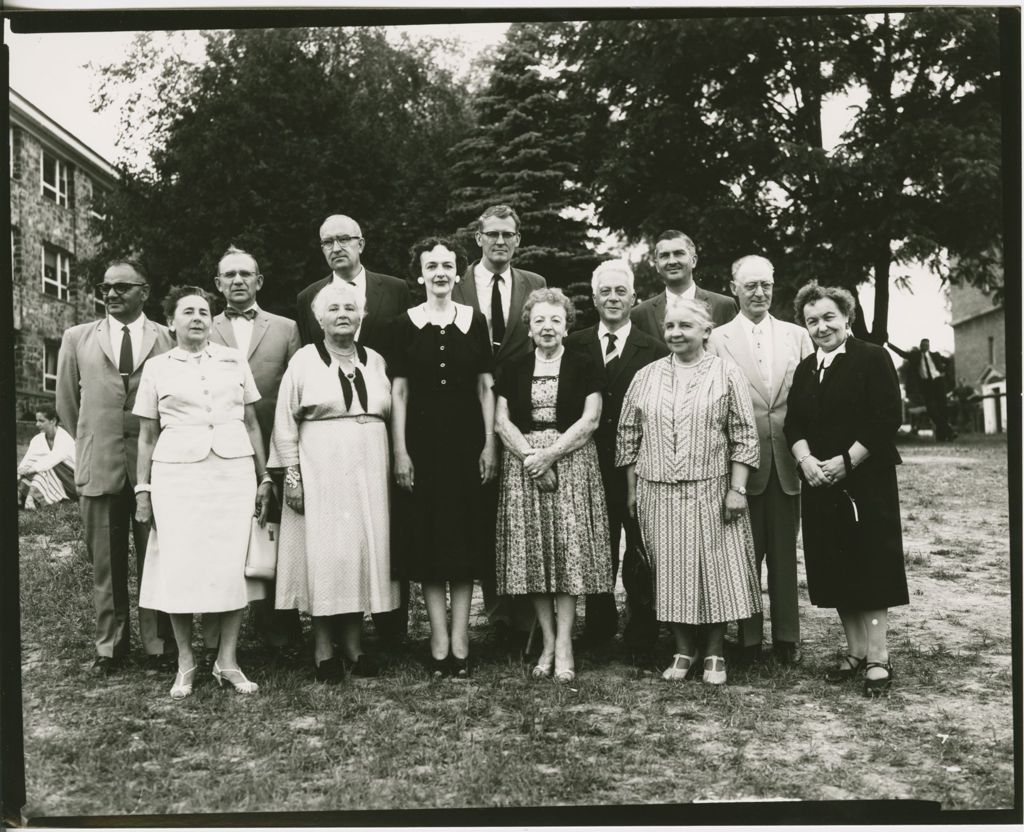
(688, 439)
(330, 436)
(552, 533)
(442, 424)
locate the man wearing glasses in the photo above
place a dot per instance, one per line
(268, 342)
(499, 290)
(386, 297)
(98, 371)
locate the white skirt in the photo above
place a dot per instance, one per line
(195, 560)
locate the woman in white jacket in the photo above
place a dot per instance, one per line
(46, 474)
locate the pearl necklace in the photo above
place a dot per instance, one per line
(553, 359)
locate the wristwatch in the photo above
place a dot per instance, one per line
(739, 489)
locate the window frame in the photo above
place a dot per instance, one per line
(62, 264)
(50, 347)
(62, 174)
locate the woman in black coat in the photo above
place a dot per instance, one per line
(843, 413)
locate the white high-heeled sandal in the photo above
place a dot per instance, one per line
(243, 685)
(183, 680)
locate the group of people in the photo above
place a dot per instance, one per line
(472, 438)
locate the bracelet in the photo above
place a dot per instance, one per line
(292, 478)
(143, 488)
(803, 459)
(266, 478)
(847, 463)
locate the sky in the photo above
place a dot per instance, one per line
(52, 71)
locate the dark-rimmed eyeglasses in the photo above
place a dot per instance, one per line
(494, 236)
(120, 289)
(341, 241)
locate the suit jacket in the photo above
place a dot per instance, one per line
(274, 341)
(639, 350)
(912, 376)
(791, 344)
(516, 342)
(857, 400)
(387, 297)
(94, 407)
(650, 315)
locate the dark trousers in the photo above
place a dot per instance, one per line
(107, 522)
(934, 391)
(775, 520)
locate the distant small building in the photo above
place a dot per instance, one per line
(55, 184)
(979, 335)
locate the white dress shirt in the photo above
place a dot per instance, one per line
(134, 332)
(926, 365)
(484, 281)
(620, 334)
(242, 327)
(687, 294)
(759, 336)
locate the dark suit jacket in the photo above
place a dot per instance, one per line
(639, 350)
(387, 297)
(517, 341)
(858, 400)
(94, 407)
(912, 378)
(650, 315)
(274, 341)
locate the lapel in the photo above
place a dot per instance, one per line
(515, 308)
(835, 368)
(465, 292)
(148, 341)
(736, 343)
(260, 325)
(592, 345)
(374, 293)
(781, 342)
(225, 331)
(103, 338)
(629, 351)
(658, 307)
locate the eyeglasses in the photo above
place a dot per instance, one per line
(750, 288)
(500, 235)
(341, 241)
(244, 273)
(120, 289)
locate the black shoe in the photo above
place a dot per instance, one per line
(787, 652)
(742, 655)
(364, 667)
(461, 668)
(330, 671)
(876, 687)
(439, 668)
(852, 666)
(593, 640)
(105, 665)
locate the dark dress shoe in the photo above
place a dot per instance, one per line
(439, 668)
(364, 667)
(787, 652)
(461, 668)
(877, 687)
(105, 665)
(330, 671)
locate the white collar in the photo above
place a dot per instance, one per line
(480, 272)
(828, 357)
(748, 325)
(690, 294)
(463, 316)
(359, 278)
(184, 355)
(135, 327)
(621, 334)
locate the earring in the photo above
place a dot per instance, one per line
(419, 280)
(457, 279)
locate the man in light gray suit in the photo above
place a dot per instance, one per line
(98, 372)
(767, 351)
(268, 342)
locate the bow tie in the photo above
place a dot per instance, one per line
(248, 314)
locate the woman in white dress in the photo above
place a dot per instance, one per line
(200, 457)
(46, 474)
(330, 436)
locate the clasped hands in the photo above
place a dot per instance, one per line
(820, 474)
(539, 465)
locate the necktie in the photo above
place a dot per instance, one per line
(611, 345)
(125, 362)
(927, 365)
(497, 315)
(248, 314)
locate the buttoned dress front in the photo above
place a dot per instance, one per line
(203, 479)
(682, 428)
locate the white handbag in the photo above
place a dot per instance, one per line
(261, 561)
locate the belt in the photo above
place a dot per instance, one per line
(363, 418)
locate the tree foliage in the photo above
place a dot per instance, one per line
(523, 152)
(274, 130)
(715, 126)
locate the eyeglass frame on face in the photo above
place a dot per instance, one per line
(343, 241)
(121, 288)
(495, 236)
(245, 274)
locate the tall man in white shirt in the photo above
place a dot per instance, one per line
(268, 342)
(499, 290)
(98, 370)
(675, 257)
(767, 350)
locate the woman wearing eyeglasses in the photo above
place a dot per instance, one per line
(200, 459)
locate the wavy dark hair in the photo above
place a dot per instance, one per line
(427, 244)
(176, 293)
(814, 291)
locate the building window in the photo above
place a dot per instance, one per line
(99, 304)
(54, 178)
(991, 350)
(50, 350)
(56, 272)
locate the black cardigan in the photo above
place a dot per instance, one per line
(578, 377)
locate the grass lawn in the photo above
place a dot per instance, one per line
(617, 736)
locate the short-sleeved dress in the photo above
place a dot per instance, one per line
(336, 557)
(439, 527)
(203, 480)
(551, 542)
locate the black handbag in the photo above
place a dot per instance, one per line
(637, 575)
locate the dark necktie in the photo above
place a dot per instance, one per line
(126, 362)
(611, 345)
(248, 314)
(927, 366)
(497, 315)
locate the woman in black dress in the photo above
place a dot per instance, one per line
(841, 423)
(443, 433)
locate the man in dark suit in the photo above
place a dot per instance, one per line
(925, 375)
(499, 290)
(675, 257)
(386, 297)
(98, 370)
(268, 342)
(622, 349)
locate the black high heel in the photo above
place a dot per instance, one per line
(854, 665)
(461, 667)
(439, 668)
(876, 687)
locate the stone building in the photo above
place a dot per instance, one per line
(56, 181)
(979, 333)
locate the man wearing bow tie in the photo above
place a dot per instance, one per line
(499, 290)
(268, 342)
(767, 350)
